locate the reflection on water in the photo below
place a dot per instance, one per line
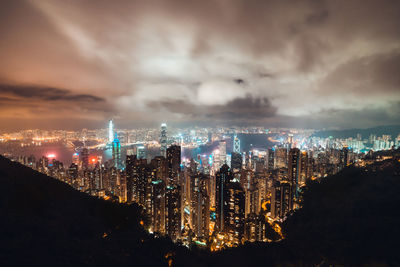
(64, 153)
(61, 152)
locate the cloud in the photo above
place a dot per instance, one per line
(375, 74)
(156, 60)
(46, 93)
(51, 106)
(236, 111)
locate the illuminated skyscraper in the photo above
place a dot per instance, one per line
(303, 167)
(344, 156)
(236, 144)
(200, 204)
(222, 152)
(281, 199)
(271, 159)
(163, 140)
(236, 161)
(110, 131)
(173, 212)
(280, 158)
(85, 158)
(234, 212)
(73, 175)
(223, 177)
(294, 169)
(174, 164)
(116, 152)
(158, 206)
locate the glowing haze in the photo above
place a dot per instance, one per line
(74, 64)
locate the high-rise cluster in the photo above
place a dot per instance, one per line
(222, 198)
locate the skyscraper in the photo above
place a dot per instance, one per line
(200, 204)
(173, 212)
(116, 152)
(234, 212)
(294, 169)
(303, 167)
(163, 139)
(236, 161)
(281, 158)
(344, 156)
(236, 144)
(72, 173)
(222, 152)
(223, 177)
(174, 164)
(271, 159)
(85, 158)
(110, 131)
(281, 199)
(158, 206)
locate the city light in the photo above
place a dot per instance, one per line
(224, 193)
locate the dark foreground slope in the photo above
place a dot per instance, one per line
(45, 222)
(349, 219)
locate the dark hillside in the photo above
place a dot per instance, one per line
(45, 222)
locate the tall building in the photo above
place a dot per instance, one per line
(173, 212)
(294, 170)
(234, 212)
(344, 157)
(236, 161)
(85, 158)
(280, 158)
(271, 159)
(281, 199)
(222, 152)
(253, 203)
(116, 152)
(158, 206)
(236, 144)
(73, 175)
(222, 178)
(110, 131)
(200, 204)
(161, 168)
(255, 228)
(174, 164)
(163, 140)
(304, 170)
(129, 170)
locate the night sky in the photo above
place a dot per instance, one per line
(76, 64)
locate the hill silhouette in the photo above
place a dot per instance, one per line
(349, 219)
(45, 222)
(392, 130)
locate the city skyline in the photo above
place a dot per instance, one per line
(306, 64)
(211, 188)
